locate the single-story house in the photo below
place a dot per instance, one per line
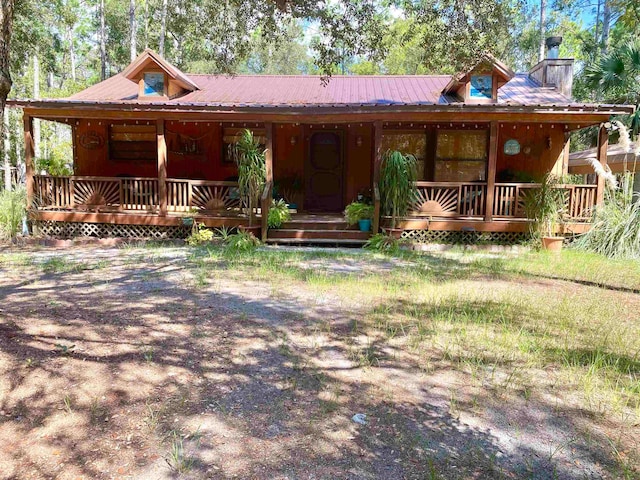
(150, 145)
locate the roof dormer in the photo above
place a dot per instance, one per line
(481, 83)
(157, 78)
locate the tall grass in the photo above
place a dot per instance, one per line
(12, 211)
(615, 231)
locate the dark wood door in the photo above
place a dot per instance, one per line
(323, 173)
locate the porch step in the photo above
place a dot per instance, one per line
(295, 224)
(306, 234)
(316, 241)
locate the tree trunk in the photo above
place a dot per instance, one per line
(6, 23)
(36, 96)
(163, 27)
(606, 25)
(146, 24)
(6, 155)
(543, 19)
(103, 47)
(72, 53)
(597, 32)
(132, 29)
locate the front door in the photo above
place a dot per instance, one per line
(323, 173)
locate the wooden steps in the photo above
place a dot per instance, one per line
(317, 229)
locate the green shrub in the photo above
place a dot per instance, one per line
(381, 242)
(615, 231)
(278, 214)
(241, 242)
(199, 235)
(12, 211)
(356, 211)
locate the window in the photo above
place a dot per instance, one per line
(481, 87)
(154, 84)
(405, 142)
(133, 143)
(232, 135)
(461, 156)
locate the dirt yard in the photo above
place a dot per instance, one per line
(174, 362)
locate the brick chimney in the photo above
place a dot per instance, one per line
(553, 71)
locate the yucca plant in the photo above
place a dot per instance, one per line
(398, 176)
(250, 158)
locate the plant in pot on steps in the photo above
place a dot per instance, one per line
(398, 175)
(546, 207)
(250, 159)
(359, 213)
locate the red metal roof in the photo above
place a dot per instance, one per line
(410, 92)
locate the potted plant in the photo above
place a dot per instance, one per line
(278, 214)
(398, 174)
(250, 159)
(360, 213)
(546, 206)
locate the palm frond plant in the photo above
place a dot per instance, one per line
(398, 174)
(545, 206)
(615, 78)
(250, 159)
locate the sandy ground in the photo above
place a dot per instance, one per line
(127, 367)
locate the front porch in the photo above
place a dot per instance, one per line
(437, 206)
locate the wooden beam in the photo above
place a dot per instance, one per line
(565, 153)
(327, 115)
(135, 218)
(269, 153)
(162, 167)
(603, 144)
(491, 171)
(29, 153)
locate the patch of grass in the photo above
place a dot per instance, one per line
(179, 460)
(61, 264)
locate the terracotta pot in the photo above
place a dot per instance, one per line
(553, 244)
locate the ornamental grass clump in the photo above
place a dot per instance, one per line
(398, 177)
(12, 211)
(615, 231)
(278, 214)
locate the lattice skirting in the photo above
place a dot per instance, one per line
(465, 238)
(103, 230)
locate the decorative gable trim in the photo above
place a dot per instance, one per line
(460, 85)
(176, 82)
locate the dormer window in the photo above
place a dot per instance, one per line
(153, 84)
(481, 87)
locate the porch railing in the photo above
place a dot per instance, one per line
(510, 200)
(448, 199)
(468, 200)
(133, 194)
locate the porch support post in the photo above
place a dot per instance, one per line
(603, 144)
(491, 171)
(377, 151)
(162, 167)
(29, 148)
(269, 153)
